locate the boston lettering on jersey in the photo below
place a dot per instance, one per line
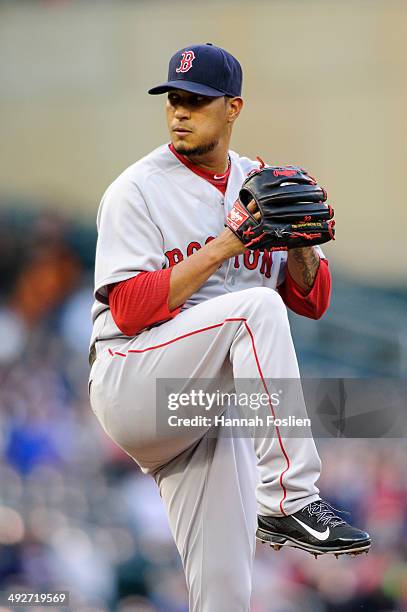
(251, 259)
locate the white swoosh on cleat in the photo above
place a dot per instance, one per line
(324, 535)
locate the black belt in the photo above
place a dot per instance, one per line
(92, 350)
(92, 355)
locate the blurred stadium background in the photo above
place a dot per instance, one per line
(325, 87)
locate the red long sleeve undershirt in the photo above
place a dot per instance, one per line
(142, 301)
(314, 303)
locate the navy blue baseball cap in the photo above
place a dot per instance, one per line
(203, 69)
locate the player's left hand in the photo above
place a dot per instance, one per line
(291, 210)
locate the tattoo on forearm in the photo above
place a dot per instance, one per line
(306, 264)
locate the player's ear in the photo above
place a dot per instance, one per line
(235, 105)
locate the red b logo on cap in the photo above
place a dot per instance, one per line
(186, 61)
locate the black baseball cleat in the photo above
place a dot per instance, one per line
(316, 529)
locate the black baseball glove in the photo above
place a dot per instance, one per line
(291, 206)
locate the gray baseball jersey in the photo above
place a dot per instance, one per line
(158, 212)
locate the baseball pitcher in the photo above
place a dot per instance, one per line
(200, 251)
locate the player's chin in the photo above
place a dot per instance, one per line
(182, 145)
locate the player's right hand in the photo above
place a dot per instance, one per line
(228, 242)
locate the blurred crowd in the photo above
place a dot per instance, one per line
(75, 511)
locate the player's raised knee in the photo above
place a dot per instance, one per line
(264, 304)
(264, 296)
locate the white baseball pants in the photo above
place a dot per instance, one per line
(207, 479)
